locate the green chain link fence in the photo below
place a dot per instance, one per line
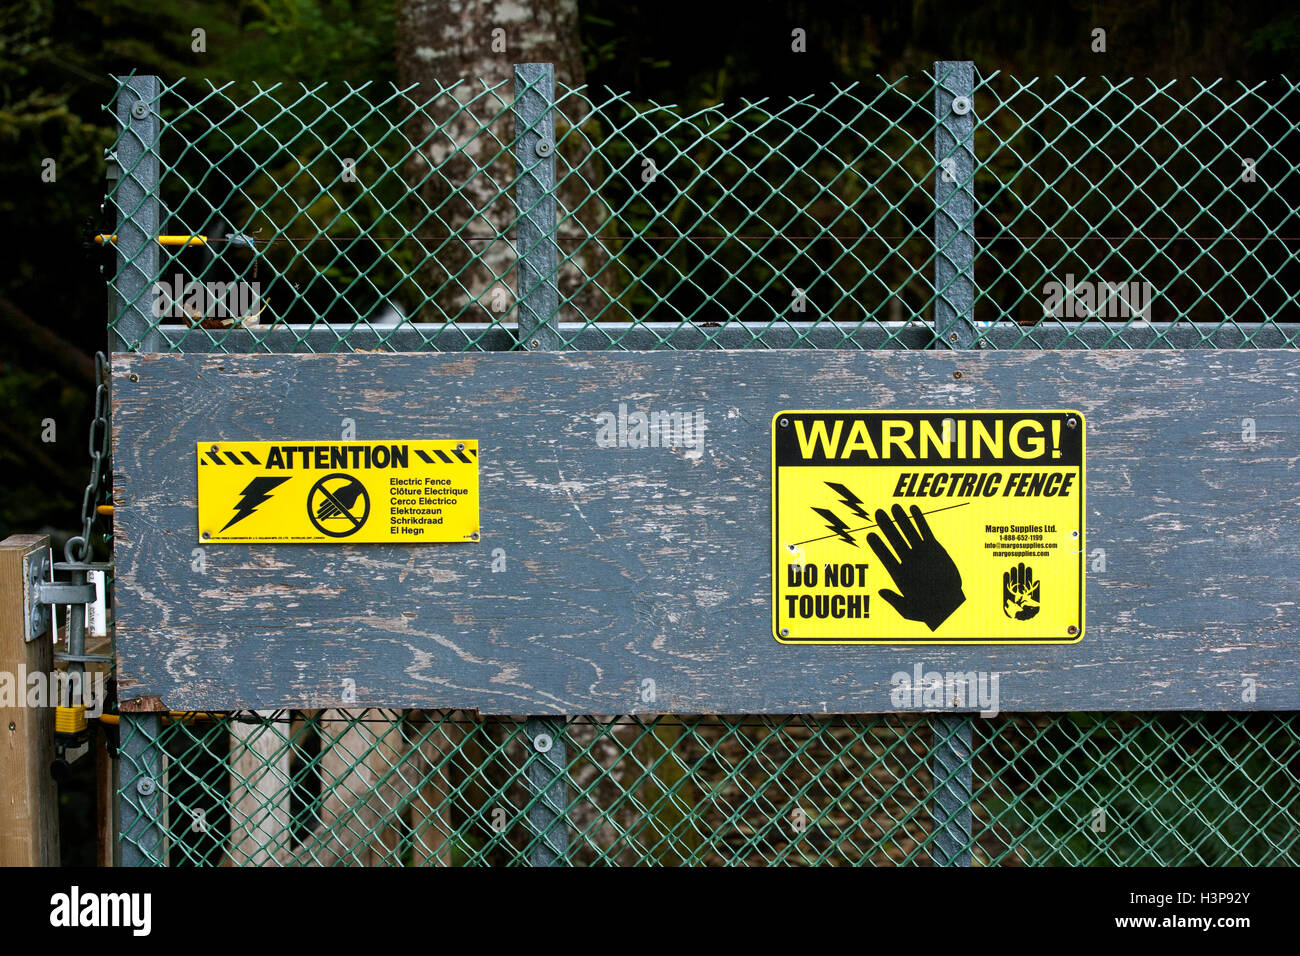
(373, 218)
(414, 788)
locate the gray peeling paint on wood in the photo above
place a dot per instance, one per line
(627, 565)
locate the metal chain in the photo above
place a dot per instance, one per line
(78, 549)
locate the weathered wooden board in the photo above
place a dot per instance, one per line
(615, 567)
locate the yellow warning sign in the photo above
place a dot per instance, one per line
(350, 492)
(928, 527)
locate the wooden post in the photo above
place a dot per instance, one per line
(432, 822)
(260, 790)
(364, 786)
(29, 832)
(105, 802)
(105, 764)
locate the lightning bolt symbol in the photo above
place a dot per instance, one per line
(849, 499)
(835, 524)
(258, 491)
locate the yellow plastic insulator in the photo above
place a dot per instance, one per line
(175, 716)
(163, 240)
(69, 720)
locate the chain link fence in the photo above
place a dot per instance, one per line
(415, 788)
(1139, 214)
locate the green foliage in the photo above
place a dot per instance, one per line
(56, 63)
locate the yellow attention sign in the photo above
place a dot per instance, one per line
(351, 492)
(928, 527)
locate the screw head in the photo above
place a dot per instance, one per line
(956, 374)
(542, 743)
(1074, 532)
(12, 725)
(544, 148)
(460, 446)
(145, 786)
(953, 338)
(1071, 423)
(534, 344)
(474, 536)
(784, 422)
(140, 110)
(134, 377)
(961, 105)
(785, 632)
(1072, 629)
(207, 535)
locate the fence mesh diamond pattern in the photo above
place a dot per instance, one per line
(364, 218)
(415, 788)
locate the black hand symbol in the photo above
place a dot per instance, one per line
(923, 570)
(1020, 592)
(346, 498)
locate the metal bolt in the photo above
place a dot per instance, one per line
(956, 374)
(145, 786)
(133, 377)
(460, 446)
(953, 338)
(534, 344)
(1074, 532)
(961, 105)
(785, 632)
(1072, 629)
(213, 449)
(12, 725)
(544, 147)
(785, 422)
(474, 536)
(542, 743)
(207, 535)
(1071, 423)
(140, 110)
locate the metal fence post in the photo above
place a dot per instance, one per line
(535, 246)
(140, 763)
(140, 784)
(548, 779)
(954, 326)
(539, 304)
(138, 215)
(954, 201)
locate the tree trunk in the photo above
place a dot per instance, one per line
(460, 167)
